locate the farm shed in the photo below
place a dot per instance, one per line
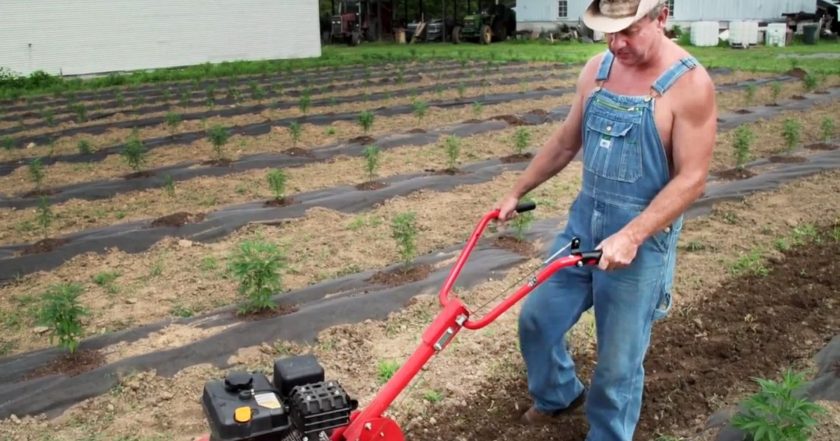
(547, 14)
(95, 36)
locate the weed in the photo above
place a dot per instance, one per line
(452, 146)
(366, 121)
(173, 120)
(386, 369)
(775, 91)
(62, 313)
(420, 108)
(294, 132)
(775, 413)
(730, 218)
(522, 221)
(811, 82)
(36, 172)
(827, 128)
(277, 183)
(695, 246)
(329, 131)
(219, 136)
(157, 268)
(134, 153)
(477, 108)
(741, 144)
(208, 263)
(169, 185)
(371, 154)
(182, 311)
(404, 231)
(804, 234)
(106, 280)
(304, 102)
(84, 147)
(791, 132)
(44, 215)
(751, 263)
(781, 245)
(257, 266)
(432, 396)
(521, 139)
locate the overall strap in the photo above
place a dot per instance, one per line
(678, 69)
(606, 66)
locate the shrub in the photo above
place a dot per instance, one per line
(775, 413)
(371, 154)
(36, 172)
(257, 266)
(404, 231)
(522, 221)
(218, 137)
(305, 102)
(452, 146)
(743, 138)
(62, 313)
(477, 108)
(277, 183)
(173, 120)
(827, 128)
(294, 132)
(134, 153)
(775, 91)
(84, 147)
(811, 82)
(420, 108)
(366, 120)
(521, 139)
(791, 132)
(386, 369)
(43, 215)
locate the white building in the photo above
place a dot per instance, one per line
(547, 14)
(74, 37)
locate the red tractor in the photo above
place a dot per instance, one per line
(350, 24)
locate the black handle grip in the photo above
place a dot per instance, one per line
(525, 206)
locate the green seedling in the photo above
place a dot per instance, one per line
(420, 108)
(44, 215)
(8, 143)
(462, 90)
(277, 183)
(404, 232)
(134, 153)
(791, 132)
(386, 369)
(182, 311)
(329, 131)
(522, 222)
(477, 108)
(371, 154)
(304, 102)
(256, 265)
(751, 264)
(81, 112)
(741, 144)
(106, 280)
(257, 92)
(521, 139)
(36, 172)
(827, 128)
(173, 120)
(452, 146)
(432, 396)
(811, 82)
(295, 132)
(84, 147)
(777, 413)
(219, 136)
(62, 313)
(366, 121)
(169, 185)
(749, 94)
(775, 91)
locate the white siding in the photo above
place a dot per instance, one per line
(92, 36)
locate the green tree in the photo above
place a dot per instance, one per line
(366, 120)
(219, 136)
(452, 146)
(404, 232)
(295, 132)
(44, 215)
(36, 172)
(277, 183)
(791, 132)
(173, 120)
(134, 153)
(62, 313)
(84, 147)
(522, 221)
(521, 139)
(256, 265)
(371, 154)
(420, 109)
(743, 138)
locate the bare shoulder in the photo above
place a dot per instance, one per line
(696, 92)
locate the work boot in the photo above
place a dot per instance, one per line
(534, 417)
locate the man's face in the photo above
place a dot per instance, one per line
(633, 45)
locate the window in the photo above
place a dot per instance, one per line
(563, 9)
(670, 8)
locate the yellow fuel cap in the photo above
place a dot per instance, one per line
(242, 414)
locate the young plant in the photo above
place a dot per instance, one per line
(134, 153)
(294, 132)
(366, 121)
(219, 136)
(522, 221)
(257, 92)
(305, 102)
(36, 172)
(521, 139)
(169, 185)
(173, 120)
(743, 138)
(452, 146)
(371, 154)
(404, 232)
(477, 108)
(420, 108)
(775, 91)
(43, 215)
(811, 82)
(386, 369)
(62, 313)
(749, 94)
(791, 132)
(257, 266)
(776, 413)
(81, 112)
(827, 127)
(84, 147)
(277, 183)
(49, 117)
(8, 143)
(462, 90)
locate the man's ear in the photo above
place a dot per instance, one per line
(662, 20)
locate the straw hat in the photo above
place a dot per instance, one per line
(615, 15)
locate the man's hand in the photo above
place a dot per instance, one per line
(618, 251)
(507, 207)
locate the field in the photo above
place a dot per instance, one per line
(136, 195)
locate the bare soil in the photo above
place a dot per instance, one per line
(735, 174)
(401, 275)
(70, 364)
(178, 219)
(44, 245)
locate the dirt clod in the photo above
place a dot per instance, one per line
(401, 275)
(44, 246)
(177, 219)
(71, 364)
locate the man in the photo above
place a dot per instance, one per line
(644, 114)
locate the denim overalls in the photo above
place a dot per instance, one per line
(624, 168)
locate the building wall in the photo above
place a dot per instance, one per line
(93, 36)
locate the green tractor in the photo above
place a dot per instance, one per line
(496, 23)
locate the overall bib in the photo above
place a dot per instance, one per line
(624, 168)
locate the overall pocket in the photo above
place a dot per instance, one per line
(612, 149)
